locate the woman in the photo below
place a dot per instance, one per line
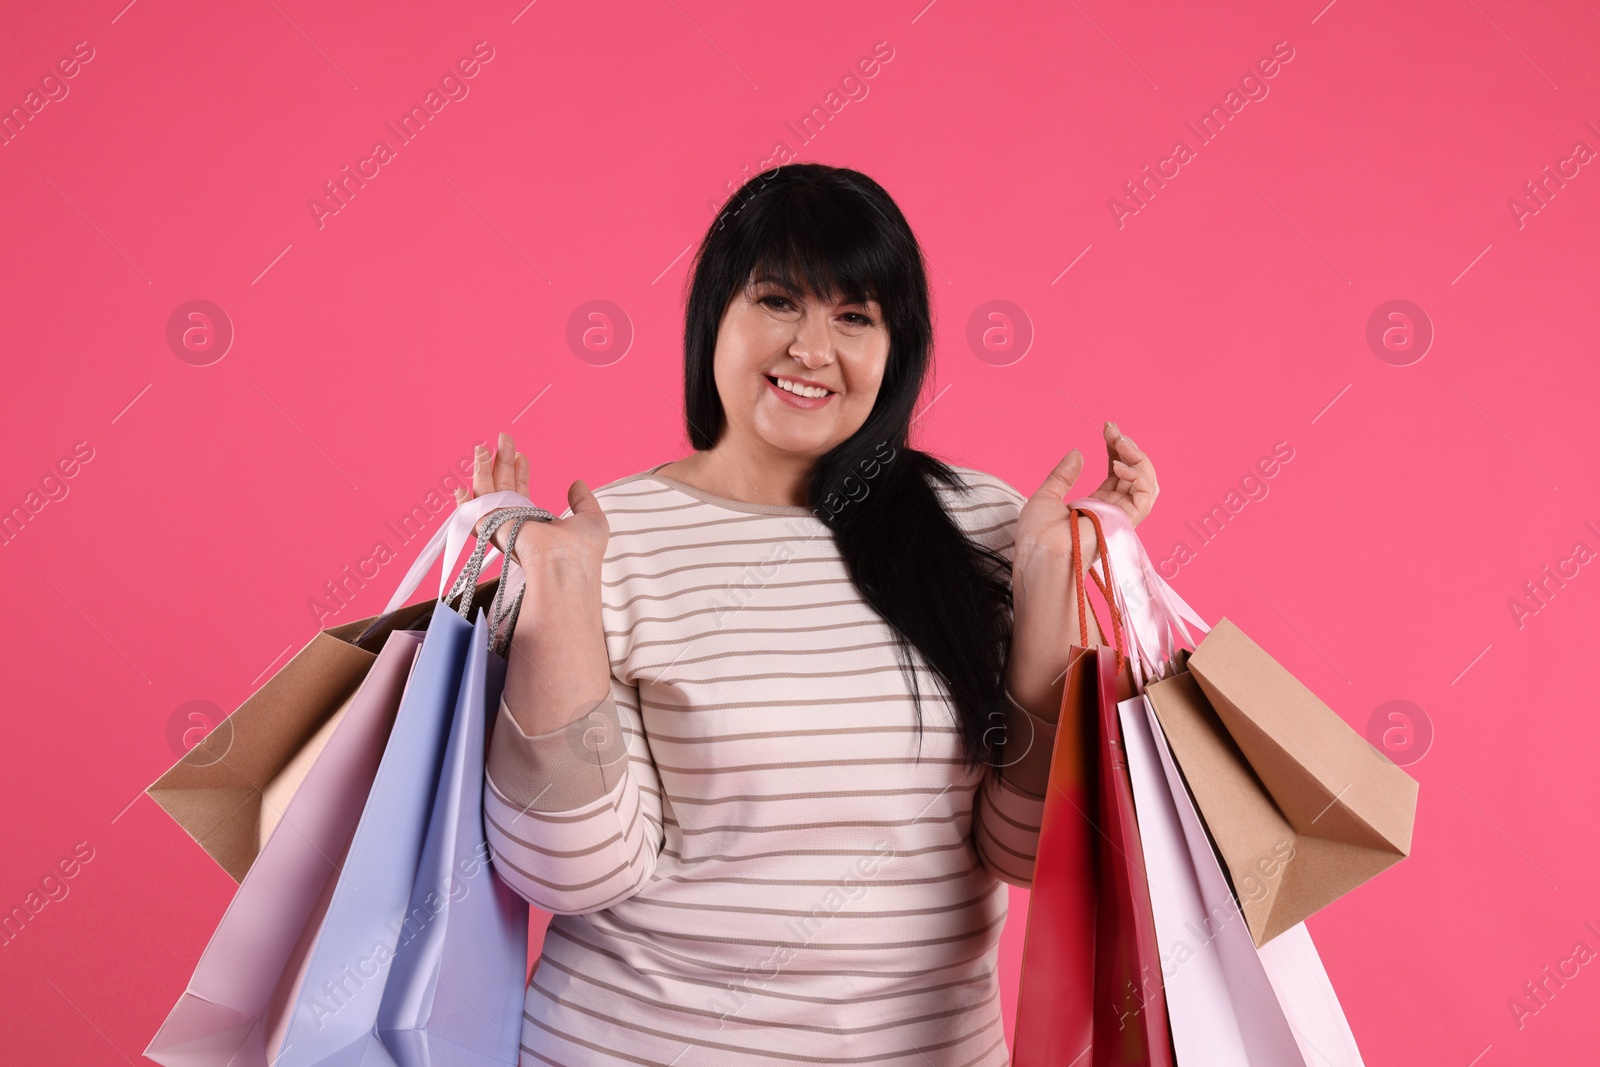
(749, 746)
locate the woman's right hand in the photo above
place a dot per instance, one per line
(579, 538)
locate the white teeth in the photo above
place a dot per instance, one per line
(801, 390)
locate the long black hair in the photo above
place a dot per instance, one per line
(835, 233)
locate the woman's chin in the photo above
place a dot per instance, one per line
(782, 439)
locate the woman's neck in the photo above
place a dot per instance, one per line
(737, 474)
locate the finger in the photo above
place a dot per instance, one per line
(522, 474)
(583, 502)
(462, 496)
(505, 458)
(482, 471)
(1060, 480)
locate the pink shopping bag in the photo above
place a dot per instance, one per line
(225, 1015)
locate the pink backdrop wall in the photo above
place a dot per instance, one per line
(1430, 538)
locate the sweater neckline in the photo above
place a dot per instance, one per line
(723, 502)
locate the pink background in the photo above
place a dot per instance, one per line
(1229, 313)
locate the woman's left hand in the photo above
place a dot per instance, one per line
(1130, 485)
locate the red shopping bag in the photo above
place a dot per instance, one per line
(1091, 967)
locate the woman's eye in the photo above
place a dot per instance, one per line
(860, 319)
(778, 299)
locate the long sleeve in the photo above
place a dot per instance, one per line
(1008, 806)
(573, 817)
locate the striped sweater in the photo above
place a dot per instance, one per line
(746, 860)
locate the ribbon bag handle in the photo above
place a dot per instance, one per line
(1157, 619)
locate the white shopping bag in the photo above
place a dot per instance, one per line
(1229, 1004)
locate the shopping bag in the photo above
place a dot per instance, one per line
(1208, 968)
(1125, 999)
(1055, 992)
(1269, 763)
(1230, 1002)
(229, 791)
(455, 990)
(222, 1017)
(335, 1016)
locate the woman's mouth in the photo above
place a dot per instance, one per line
(798, 394)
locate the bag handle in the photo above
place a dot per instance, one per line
(1106, 586)
(448, 541)
(1157, 618)
(467, 581)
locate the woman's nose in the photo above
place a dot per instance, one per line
(811, 345)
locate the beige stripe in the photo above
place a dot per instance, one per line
(740, 569)
(791, 765)
(997, 867)
(723, 857)
(846, 794)
(734, 653)
(731, 630)
(697, 524)
(951, 876)
(980, 982)
(583, 975)
(814, 946)
(742, 676)
(653, 948)
(695, 546)
(549, 817)
(681, 1010)
(606, 815)
(573, 887)
(700, 1042)
(676, 594)
(647, 488)
(725, 608)
(1027, 857)
(1023, 799)
(687, 709)
(881, 824)
(657, 737)
(566, 888)
(735, 909)
(996, 806)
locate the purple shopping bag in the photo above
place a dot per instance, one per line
(455, 990)
(225, 1014)
(465, 954)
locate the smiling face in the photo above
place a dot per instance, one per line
(797, 375)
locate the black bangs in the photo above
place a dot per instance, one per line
(819, 244)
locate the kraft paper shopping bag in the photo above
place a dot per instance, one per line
(1267, 763)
